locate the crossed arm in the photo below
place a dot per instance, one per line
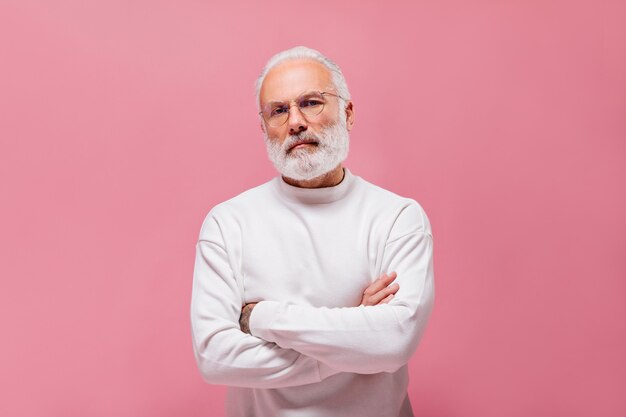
(380, 291)
(285, 344)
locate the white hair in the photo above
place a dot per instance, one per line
(302, 52)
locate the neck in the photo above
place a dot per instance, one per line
(330, 179)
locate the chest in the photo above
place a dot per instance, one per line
(317, 258)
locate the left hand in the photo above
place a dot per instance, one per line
(380, 291)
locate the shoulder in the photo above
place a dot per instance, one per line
(407, 215)
(236, 208)
(245, 201)
(410, 219)
(380, 193)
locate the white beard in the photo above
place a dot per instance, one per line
(304, 163)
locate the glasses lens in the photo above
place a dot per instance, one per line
(276, 114)
(311, 104)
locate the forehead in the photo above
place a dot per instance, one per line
(290, 78)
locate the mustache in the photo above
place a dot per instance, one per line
(293, 139)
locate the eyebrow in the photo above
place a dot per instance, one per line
(284, 101)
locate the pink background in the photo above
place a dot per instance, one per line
(123, 122)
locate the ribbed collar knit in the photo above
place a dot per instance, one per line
(315, 195)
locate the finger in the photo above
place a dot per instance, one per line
(391, 276)
(377, 285)
(382, 294)
(387, 279)
(383, 281)
(386, 299)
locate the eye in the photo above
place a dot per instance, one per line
(311, 102)
(277, 111)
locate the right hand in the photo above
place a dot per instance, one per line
(380, 292)
(244, 319)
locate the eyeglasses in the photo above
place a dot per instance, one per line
(310, 104)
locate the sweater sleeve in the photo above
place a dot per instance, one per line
(364, 339)
(224, 354)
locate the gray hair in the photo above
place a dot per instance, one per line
(302, 52)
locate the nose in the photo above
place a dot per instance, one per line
(297, 123)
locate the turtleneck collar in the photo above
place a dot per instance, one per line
(315, 195)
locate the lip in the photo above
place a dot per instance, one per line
(303, 142)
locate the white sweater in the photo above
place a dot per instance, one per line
(306, 256)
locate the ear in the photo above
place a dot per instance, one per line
(349, 115)
(262, 126)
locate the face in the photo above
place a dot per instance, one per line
(305, 147)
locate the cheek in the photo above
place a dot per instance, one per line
(275, 142)
(327, 120)
(277, 134)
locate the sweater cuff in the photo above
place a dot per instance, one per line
(262, 317)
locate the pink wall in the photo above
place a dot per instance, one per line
(123, 122)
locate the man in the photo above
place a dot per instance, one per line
(293, 304)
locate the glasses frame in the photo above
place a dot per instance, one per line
(295, 102)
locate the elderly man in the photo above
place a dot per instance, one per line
(311, 291)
